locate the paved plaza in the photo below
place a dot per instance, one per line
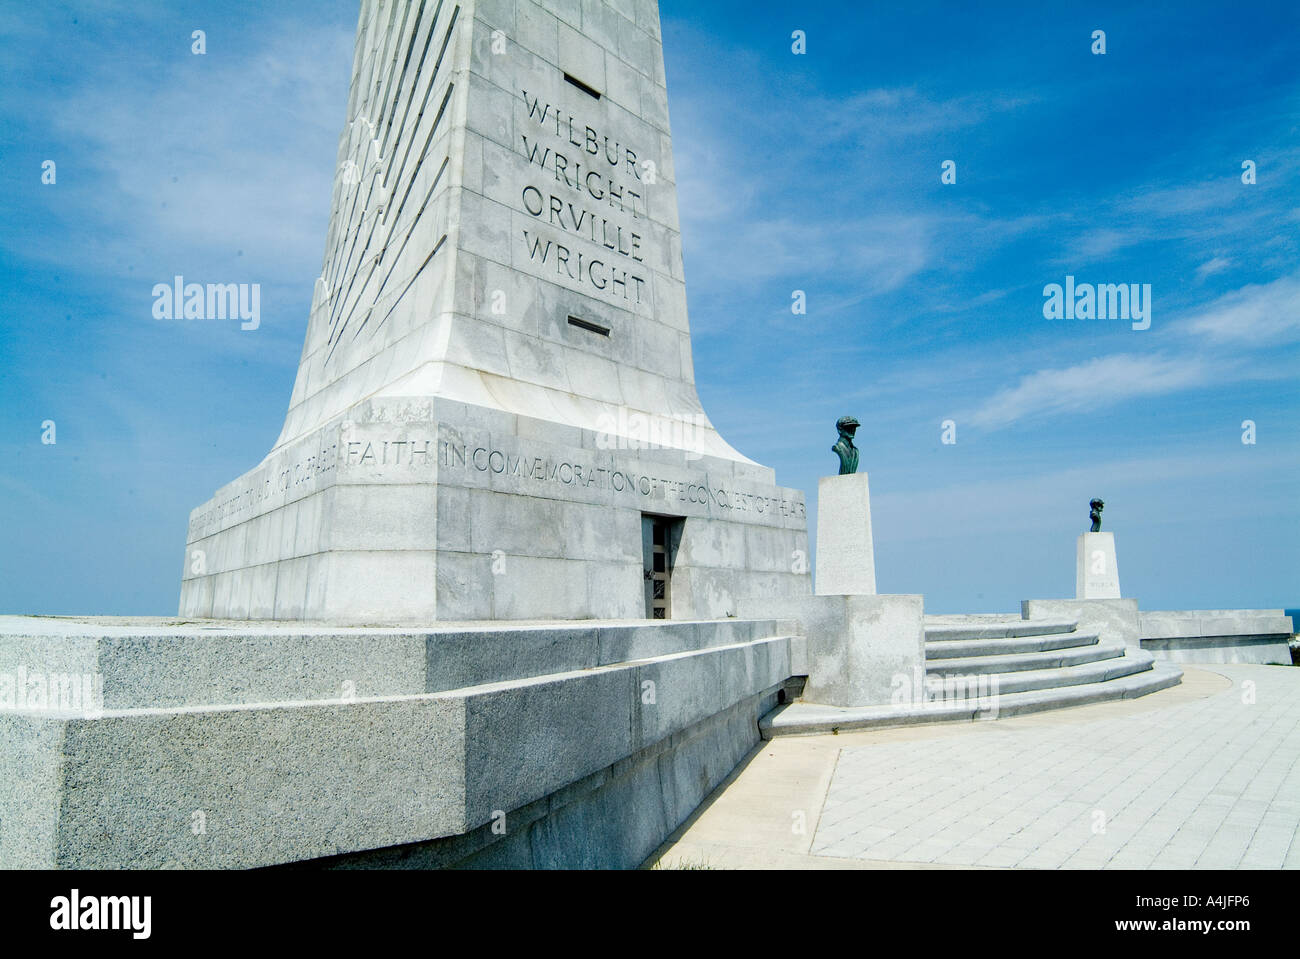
(1205, 775)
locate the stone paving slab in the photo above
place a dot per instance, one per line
(1186, 786)
(1203, 775)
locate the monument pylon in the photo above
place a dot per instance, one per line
(495, 413)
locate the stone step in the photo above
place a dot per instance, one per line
(1014, 662)
(809, 719)
(1133, 661)
(1000, 629)
(959, 648)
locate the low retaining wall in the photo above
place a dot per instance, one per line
(613, 819)
(1218, 635)
(1180, 636)
(230, 746)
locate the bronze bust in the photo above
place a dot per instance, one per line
(1095, 508)
(844, 448)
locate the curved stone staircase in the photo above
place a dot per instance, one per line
(987, 667)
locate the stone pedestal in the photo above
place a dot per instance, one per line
(1097, 573)
(846, 558)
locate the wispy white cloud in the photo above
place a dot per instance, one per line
(1101, 243)
(735, 202)
(1257, 314)
(907, 112)
(1253, 316)
(1216, 265)
(884, 249)
(191, 163)
(1086, 387)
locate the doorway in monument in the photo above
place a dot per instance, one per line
(660, 536)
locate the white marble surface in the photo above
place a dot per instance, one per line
(456, 448)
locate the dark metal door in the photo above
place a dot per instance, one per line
(656, 545)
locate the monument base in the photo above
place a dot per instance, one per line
(846, 557)
(1096, 571)
(420, 510)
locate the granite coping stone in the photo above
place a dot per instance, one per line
(1179, 624)
(168, 663)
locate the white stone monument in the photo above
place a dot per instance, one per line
(846, 558)
(1096, 572)
(495, 413)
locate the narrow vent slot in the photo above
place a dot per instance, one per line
(590, 91)
(588, 326)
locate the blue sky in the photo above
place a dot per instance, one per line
(817, 172)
